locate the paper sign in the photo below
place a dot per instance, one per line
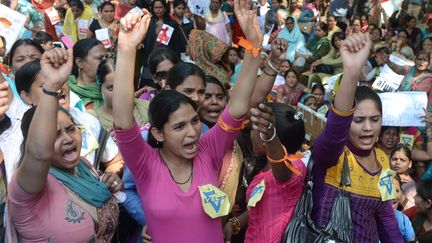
(165, 34)
(314, 122)
(83, 25)
(400, 60)
(403, 109)
(52, 15)
(331, 81)
(387, 81)
(214, 201)
(390, 6)
(103, 35)
(11, 25)
(137, 10)
(199, 7)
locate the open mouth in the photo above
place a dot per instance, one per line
(62, 99)
(190, 147)
(70, 154)
(214, 112)
(367, 139)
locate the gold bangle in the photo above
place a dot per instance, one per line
(235, 225)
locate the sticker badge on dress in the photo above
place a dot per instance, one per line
(407, 140)
(165, 34)
(53, 15)
(83, 25)
(385, 185)
(89, 142)
(256, 194)
(214, 201)
(103, 35)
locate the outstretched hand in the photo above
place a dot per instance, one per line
(248, 20)
(133, 29)
(279, 48)
(355, 51)
(56, 66)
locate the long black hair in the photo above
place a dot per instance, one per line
(179, 72)
(81, 50)
(160, 109)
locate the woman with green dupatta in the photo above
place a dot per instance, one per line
(87, 53)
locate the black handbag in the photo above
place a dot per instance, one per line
(339, 229)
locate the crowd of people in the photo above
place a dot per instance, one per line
(157, 121)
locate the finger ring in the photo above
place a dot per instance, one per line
(270, 125)
(115, 183)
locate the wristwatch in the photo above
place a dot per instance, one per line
(56, 93)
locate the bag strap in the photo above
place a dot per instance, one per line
(345, 177)
(102, 140)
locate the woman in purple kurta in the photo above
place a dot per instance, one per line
(355, 130)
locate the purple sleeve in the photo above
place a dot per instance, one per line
(330, 143)
(217, 141)
(136, 153)
(388, 229)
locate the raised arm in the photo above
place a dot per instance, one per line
(56, 66)
(421, 155)
(354, 52)
(262, 119)
(132, 31)
(266, 80)
(329, 145)
(238, 105)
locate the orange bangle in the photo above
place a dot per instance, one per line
(229, 128)
(249, 48)
(287, 158)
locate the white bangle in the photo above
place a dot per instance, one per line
(268, 140)
(272, 67)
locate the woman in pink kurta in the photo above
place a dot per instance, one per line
(177, 177)
(273, 193)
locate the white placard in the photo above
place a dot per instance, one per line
(199, 7)
(165, 34)
(390, 6)
(103, 35)
(400, 60)
(331, 81)
(11, 25)
(53, 15)
(403, 109)
(387, 81)
(137, 10)
(83, 25)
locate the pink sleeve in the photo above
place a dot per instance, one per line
(217, 141)
(21, 203)
(137, 154)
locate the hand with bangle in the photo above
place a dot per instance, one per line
(277, 55)
(263, 121)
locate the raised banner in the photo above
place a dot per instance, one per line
(11, 25)
(314, 122)
(199, 7)
(403, 109)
